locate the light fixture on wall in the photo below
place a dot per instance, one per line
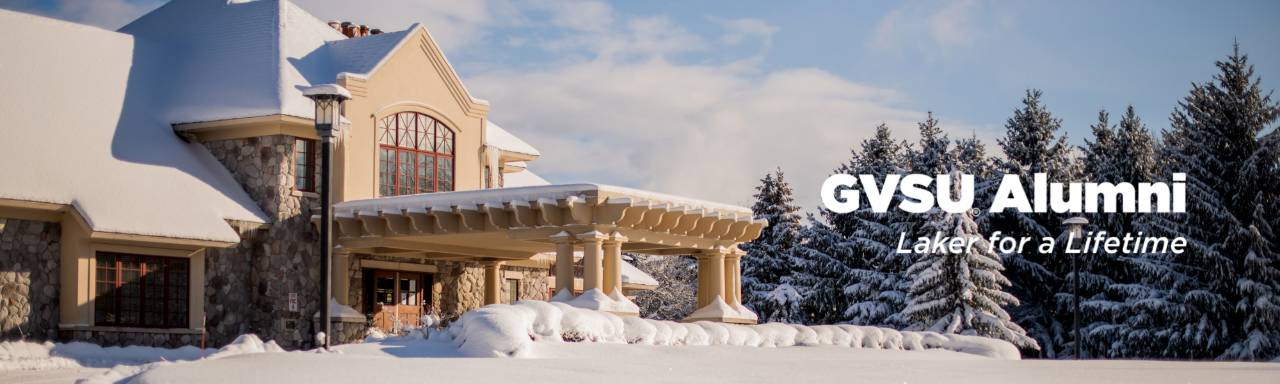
(328, 99)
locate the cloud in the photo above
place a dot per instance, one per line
(696, 130)
(736, 31)
(926, 26)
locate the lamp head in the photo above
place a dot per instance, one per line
(329, 99)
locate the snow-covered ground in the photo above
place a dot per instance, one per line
(616, 350)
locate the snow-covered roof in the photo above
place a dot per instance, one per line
(500, 196)
(84, 126)
(499, 138)
(525, 178)
(250, 58)
(633, 275)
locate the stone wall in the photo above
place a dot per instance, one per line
(456, 286)
(133, 336)
(533, 283)
(262, 272)
(29, 255)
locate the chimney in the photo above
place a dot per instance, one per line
(352, 30)
(349, 29)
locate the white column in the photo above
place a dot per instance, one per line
(492, 282)
(564, 264)
(733, 279)
(592, 255)
(710, 276)
(613, 263)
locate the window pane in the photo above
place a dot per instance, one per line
(386, 131)
(386, 172)
(406, 173)
(445, 145)
(384, 290)
(151, 291)
(426, 165)
(444, 175)
(408, 291)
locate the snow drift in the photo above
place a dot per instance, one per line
(502, 330)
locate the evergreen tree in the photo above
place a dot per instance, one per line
(822, 269)
(767, 281)
(961, 292)
(1032, 145)
(873, 282)
(931, 158)
(1217, 298)
(970, 157)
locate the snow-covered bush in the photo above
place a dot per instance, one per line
(502, 330)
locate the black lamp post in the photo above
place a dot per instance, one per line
(1075, 228)
(328, 99)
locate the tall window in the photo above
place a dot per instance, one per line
(415, 155)
(141, 291)
(306, 164)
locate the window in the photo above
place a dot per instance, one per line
(513, 290)
(415, 155)
(306, 164)
(141, 291)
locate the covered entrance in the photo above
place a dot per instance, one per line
(396, 299)
(493, 227)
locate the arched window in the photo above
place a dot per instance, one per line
(415, 155)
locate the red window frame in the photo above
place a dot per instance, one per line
(141, 291)
(306, 167)
(415, 155)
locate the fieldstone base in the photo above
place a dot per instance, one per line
(108, 336)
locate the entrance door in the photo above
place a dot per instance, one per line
(397, 300)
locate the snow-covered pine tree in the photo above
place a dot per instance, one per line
(1209, 303)
(767, 281)
(1212, 302)
(1033, 145)
(970, 156)
(931, 158)
(874, 285)
(821, 268)
(1109, 282)
(961, 292)
(677, 286)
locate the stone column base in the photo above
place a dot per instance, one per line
(719, 311)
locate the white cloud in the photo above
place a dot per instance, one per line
(736, 31)
(701, 131)
(928, 25)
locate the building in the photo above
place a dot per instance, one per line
(157, 187)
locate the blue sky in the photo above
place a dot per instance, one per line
(703, 97)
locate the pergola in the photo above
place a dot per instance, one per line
(494, 226)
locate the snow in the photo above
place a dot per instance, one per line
(500, 196)
(25, 355)
(634, 276)
(326, 89)
(525, 178)
(434, 355)
(114, 159)
(503, 330)
(498, 137)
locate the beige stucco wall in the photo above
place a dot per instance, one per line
(414, 79)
